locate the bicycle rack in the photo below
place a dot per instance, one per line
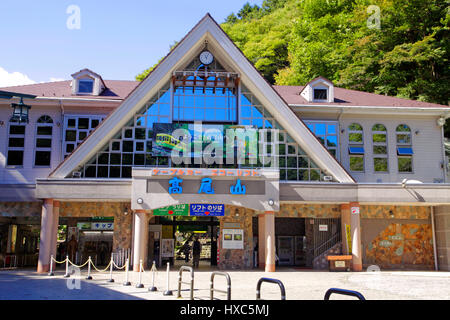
(343, 292)
(228, 291)
(191, 270)
(276, 281)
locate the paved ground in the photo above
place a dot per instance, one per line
(299, 284)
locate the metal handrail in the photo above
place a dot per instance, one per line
(276, 281)
(327, 244)
(191, 283)
(228, 291)
(343, 292)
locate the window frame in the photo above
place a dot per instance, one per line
(37, 136)
(15, 136)
(356, 144)
(327, 123)
(85, 79)
(380, 144)
(404, 145)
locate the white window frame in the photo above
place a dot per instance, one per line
(404, 144)
(48, 149)
(356, 144)
(380, 144)
(85, 93)
(20, 136)
(67, 117)
(327, 123)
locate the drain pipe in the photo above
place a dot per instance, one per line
(61, 145)
(433, 230)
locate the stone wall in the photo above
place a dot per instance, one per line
(397, 237)
(122, 223)
(20, 209)
(309, 211)
(232, 259)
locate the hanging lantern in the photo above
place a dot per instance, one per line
(20, 111)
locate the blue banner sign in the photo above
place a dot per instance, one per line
(211, 210)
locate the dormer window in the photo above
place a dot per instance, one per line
(320, 94)
(318, 90)
(87, 82)
(86, 86)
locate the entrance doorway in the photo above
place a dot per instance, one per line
(183, 231)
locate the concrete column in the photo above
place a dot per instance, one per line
(266, 241)
(355, 222)
(140, 239)
(55, 224)
(46, 236)
(345, 220)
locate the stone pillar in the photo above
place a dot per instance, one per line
(355, 222)
(140, 239)
(345, 220)
(55, 224)
(46, 236)
(266, 241)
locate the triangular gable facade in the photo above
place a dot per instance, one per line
(153, 89)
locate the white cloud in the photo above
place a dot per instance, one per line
(8, 79)
(56, 79)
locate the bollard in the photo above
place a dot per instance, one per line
(127, 283)
(153, 288)
(191, 283)
(67, 275)
(89, 269)
(110, 271)
(276, 281)
(140, 285)
(51, 266)
(211, 288)
(168, 292)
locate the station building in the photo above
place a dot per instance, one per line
(337, 171)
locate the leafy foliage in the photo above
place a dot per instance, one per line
(293, 41)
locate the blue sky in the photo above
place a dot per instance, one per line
(117, 39)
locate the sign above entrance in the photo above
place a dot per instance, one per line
(176, 210)
(207, 172)
(210, 210)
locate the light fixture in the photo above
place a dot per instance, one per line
(271, 202)
(140, 201)
(20, 111)
(391, 214)
(417, 132)
(441, 121)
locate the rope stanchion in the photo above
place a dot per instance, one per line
(127, 283)
(153, 270)
(111, 269)
(168, 292)
(51, 267)
(140, 285)
(67, 275)
(89, 269)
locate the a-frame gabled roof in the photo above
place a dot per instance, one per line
(228, 53)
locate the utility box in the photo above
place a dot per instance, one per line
(339, 263)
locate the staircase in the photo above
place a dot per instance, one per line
(320, 262)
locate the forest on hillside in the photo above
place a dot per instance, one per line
(392, 47)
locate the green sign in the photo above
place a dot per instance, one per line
(192, 228)
(176, 210)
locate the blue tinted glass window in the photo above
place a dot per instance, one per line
(85, 86)
(356, 150)
(405, 151)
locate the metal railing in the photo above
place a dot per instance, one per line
(212, 289)
(343, 292)
(276, 281)
(325, 240)
(191, 283)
